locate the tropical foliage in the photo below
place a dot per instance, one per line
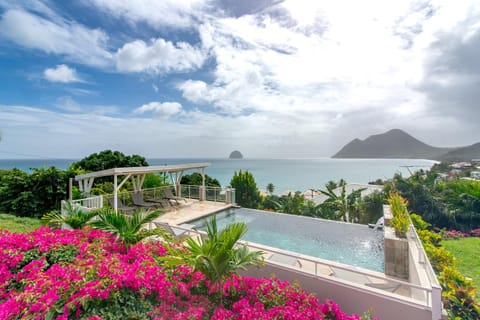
(442, 203)
(108, 159)
(74, 216)
(195, 179)
(343, 206)
(338, 206)
(458, 292)
(85, 274)
(246, 192)
(41, 191)
(34, 194)
(129, 229)
(217, 256)
(401, 219)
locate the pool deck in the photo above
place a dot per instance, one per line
(190, 210)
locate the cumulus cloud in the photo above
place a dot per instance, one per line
(165, 109)
(158, 56)
(452, 69)
(279, 78)
(157, 14)
(56, 36)
(61, 73)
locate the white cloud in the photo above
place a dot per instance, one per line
(297, 79)
(68, 104)
(158, 56)
(61, 73)
(157, 14)
(56, 36)
(165, 109)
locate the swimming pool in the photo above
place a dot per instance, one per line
(352, 244)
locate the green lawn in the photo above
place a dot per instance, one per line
(18, 224)
(467, 253)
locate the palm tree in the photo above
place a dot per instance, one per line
(342, 203)
(217, 255)
(270, 188)
(75, 217)
(125, 227)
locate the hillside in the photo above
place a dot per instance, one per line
(392, 144)
(462, 154)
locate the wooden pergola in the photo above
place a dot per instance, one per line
(137, 176)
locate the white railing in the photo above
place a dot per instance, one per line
(216, 194)
(95, 202)
(436, 289)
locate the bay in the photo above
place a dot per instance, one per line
(285, 174)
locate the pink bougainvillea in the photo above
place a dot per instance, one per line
(475, 232)
(86, 274)
(453, 234)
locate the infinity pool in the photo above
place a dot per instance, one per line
(352, 244)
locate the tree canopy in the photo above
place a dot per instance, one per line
(195, 179)
(108, 159)
(246, 192)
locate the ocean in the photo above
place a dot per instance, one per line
(285, 174)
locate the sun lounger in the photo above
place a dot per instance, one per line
(284, 259)
(169, 195)
(161, 202)
(120, 205)
(378, 225)
(137, 198)
(177, 233)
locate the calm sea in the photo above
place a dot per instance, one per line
(285, 174)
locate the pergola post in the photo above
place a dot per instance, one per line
(176, 179)
(202, 194)
(115, 193)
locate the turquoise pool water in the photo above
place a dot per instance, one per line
(352, 244)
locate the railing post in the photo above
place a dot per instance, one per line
(436, 302)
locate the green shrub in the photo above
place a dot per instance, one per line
(401, 220)
(430, 237)
(400, 223)
(439, 257)
(418, 222)
(458, 295)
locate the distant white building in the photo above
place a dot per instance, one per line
(475, 175)
(349, 188)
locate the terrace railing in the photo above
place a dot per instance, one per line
(436, 289)
(358, 277)
(216, 194)
(95, 202)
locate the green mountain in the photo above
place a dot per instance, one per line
(399, 144)
(463, 154)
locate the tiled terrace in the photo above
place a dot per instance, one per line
(191, 210)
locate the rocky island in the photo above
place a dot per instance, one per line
(235, 155)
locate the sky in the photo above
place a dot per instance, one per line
(198, 79)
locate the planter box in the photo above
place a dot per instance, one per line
(387, 215)
(396, 255)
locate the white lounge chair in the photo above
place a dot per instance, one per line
(284, 259)
(177, 233)
(169, 196)
(378, 225)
